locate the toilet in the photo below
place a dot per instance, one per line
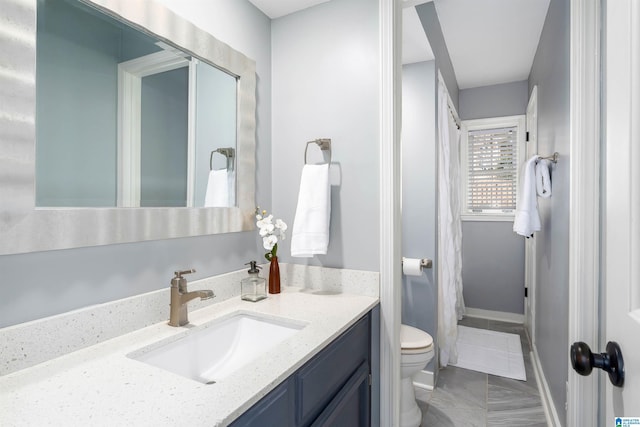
(417, 351)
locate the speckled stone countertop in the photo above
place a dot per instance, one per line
(100, 385)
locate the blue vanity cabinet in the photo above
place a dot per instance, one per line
(332, 389)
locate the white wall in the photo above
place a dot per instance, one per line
(325, 85)
(46, 283)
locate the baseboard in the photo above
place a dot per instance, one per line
(495, 315)
(424, 380)
(550, 411)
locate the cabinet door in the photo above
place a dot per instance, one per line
(350, 407)
(275, 409)
(318, 382)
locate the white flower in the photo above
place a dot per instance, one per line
(281, 225)
(271, 231)
(265, 222)
(266, 229)
(269, 242)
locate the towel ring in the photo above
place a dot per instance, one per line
(323, 143)
(228, 152)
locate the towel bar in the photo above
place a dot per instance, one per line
(553, 158)
(323, 143)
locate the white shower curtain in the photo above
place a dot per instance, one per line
(450, 300)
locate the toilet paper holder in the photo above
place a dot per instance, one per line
(424, 262)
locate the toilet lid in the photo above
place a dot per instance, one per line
(411, 337)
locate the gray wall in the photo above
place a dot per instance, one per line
(326, 85)
(431, 24)
(419, 194)
(420, 173)
(46, 283)
(550, 72)
(164, 138)
(77, 58)
(505, 99)
(492, 254)
(492, 266)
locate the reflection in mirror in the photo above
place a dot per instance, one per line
(126, 120)
(31, 223)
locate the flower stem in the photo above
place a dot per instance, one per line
(270, 255)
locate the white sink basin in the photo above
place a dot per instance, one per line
(212, 351)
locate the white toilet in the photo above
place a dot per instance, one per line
(417, 351)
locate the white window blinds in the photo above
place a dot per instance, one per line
(492, 166)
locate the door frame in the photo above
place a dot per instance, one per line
(530, 244)
(584, 204)
(129, 113)
(390, 104)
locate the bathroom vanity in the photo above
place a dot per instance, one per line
(334, 385)
(318, 373)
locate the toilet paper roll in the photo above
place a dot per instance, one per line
(411, 267)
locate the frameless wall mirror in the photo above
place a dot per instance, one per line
(144, 128)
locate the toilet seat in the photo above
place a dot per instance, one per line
(414, 340)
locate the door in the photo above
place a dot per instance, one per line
(621, 222)
(530, 244)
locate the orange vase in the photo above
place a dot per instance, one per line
(274, 276)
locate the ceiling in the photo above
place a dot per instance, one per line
(277, 8)
(489, 41)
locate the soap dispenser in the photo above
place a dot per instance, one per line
(254, 287)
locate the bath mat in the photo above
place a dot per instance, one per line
(491, 352)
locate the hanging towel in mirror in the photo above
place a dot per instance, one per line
(220, 187)
(310, 235)
(543, 179)
(527, 219)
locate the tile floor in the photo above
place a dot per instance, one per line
(464, 398)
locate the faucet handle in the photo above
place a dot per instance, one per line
(180, 282)
(180, 273)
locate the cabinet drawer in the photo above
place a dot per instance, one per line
(318, 382)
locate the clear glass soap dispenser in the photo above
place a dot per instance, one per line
(253, 287)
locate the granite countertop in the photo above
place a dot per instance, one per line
(100, 385)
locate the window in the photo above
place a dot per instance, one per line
(492, 150)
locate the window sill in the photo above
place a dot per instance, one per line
(492, 218)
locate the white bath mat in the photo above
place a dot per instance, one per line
(495, 353)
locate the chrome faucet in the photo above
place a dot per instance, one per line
(180, 297)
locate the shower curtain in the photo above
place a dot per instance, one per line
(450, 300)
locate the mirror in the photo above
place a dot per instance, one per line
(40, 212)
(141, 118)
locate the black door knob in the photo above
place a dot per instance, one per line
(583, 361)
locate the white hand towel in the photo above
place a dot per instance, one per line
(527, 219)
(310, 235)
(543, 180)
(217, 189)
(231, 185)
